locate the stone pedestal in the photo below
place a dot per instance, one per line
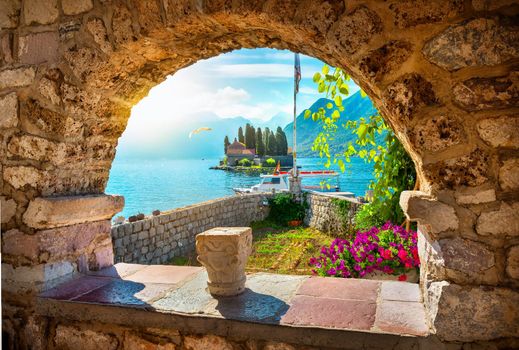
(224, 252)
(295, 185)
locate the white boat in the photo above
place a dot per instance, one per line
(279, 182)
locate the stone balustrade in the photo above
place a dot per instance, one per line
(157, 239)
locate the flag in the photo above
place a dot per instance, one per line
(297, 73)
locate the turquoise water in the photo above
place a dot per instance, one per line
(169, 184)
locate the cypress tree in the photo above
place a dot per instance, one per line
(250, 137)
(281, 142)
(226, 143)
(266, 140)
(285, 143)
(260, 145)
(272, 147)
(241, 138)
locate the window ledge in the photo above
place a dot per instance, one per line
(273, 307)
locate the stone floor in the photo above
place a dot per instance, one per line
(296, 301)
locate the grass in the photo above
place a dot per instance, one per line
(278, 249)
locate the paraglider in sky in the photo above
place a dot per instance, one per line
(199, 130)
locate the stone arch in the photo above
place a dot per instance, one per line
(443, 73)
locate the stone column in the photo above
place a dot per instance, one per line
(224, 252)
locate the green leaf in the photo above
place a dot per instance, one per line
(307, 115)
(362, 93)
(335, 115)
(317, 77)
(338, 100)
(361, 131)
(329, 105)
(325, 69)
(340, 162)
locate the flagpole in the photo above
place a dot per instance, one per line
(294, 143)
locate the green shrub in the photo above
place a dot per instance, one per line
(244, 162)
(284, 208)
(271, 162)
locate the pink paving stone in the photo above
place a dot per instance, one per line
(330, 313)
(400, 291)
(163, 274)
(75, 288)
(401, 317)
(119, 270)
(340, 288)
(126, 293)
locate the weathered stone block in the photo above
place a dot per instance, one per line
(32, 147)
(35, 278)
(102, 257)
(385, 59)
(38, 47)
(10, 13)
(133, 342)
(414, 12)
(74, 7)
(64, 211)
(40, 11)
(436, 216)
(465, 313)
(437, 133)
(47, 123)
(97, 28)
(509, 175)
(10, 78)
(468, 170)
(224, 252)
(512, 262)
(17, 243)
(207, 342)
(466, 256)
(480, 42)
(361, 21)
(7, 209)
(500, 132)
(407, 95)
(19, 176)
(475, 195)
(69, 338)
(487, 93)
(501, 222)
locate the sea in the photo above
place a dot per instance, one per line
(173, 183)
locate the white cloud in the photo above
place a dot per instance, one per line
(258, 70)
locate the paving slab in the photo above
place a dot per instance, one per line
(340, 288)
(163, 274)
(125, 293)
(119, 270)
(401, 317)
(266, 298)
(75, 288)
(331, 313)
(400, 291)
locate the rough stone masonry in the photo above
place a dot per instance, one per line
(443, 74)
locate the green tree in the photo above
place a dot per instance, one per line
(241, 138)
(266, 139)
(226, 143)
(260, 145)
(393, 168)
(281, 141)
(272, 148)
(250, 137)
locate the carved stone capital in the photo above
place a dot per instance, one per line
(224, 252)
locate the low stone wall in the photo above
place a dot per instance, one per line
(157, 239)
(323, 212)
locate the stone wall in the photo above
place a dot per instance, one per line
(444, 75)
(323, 213)
(157, 239)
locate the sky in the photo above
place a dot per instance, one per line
(253, 83)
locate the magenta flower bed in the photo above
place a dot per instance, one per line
(389, 249)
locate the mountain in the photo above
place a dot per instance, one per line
(170, 140)
(355, 107)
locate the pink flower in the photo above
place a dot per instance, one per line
(402, 278)
(402, 254)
